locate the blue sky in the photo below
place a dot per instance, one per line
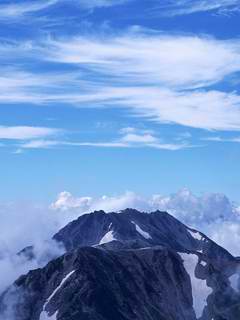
(102, 96)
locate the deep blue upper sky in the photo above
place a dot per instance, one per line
(103, 96)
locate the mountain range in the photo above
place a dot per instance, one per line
(128, 265)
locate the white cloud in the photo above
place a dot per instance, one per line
(212, 110)
(113, 144)
(139, 138)
(26, 132)
(22, 86)
(66, 202)
(46, 144)
(225, 233)
(39, 144)
(153, 75)
(100, 3)
(192, 209)
(188, 207)
(13, 266)
(216, 139)
(129, 130)
(18, 10)
(185, 7)
(182, 61)
(212, 213)
(25, 224)
(220, 139)
(28, 224)
(163, 78)
(135, 139)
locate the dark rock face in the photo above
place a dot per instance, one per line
(132, 284)
(129, 266)
(146, 230)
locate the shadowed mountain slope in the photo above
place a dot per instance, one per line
(129, 266)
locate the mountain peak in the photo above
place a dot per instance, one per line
(128, 265)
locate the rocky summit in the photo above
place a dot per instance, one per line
(129, 265)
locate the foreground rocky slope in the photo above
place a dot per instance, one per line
(126, 266)
(99, 284)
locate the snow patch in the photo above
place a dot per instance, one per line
(234, 281)
(203, 263)
(44, 314)
(107, 238)
(145, 234)
(200, 290)
(195, 234)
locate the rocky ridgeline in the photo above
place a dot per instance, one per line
(129, 266)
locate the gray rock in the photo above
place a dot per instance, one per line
(129, 266)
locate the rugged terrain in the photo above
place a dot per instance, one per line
(128, 266)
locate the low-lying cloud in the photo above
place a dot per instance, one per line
(24, 225)
(212, 213)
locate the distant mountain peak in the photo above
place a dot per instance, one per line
(131, 265)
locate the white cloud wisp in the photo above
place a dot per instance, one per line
(186, 7)
(26, 132)
(163, 78)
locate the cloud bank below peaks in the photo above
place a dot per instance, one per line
(212, 213)
(28, 224)
(22, 225)
(185, 205)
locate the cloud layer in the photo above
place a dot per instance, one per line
(27, 224)
(167, 8)
(133, 138)
(174, 8)
(18, 11)
(164, 78)
(22, 225)
(213, 214)
(26, 132)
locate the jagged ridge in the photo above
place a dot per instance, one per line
(143, 266)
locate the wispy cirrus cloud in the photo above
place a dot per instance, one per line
(221, 139)
(26, 132)
(100, 3)
(19, 85)
(173, 61)
(163, 78)
(174, 8)
(14, 10)
(134, 139)
(169, 8)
